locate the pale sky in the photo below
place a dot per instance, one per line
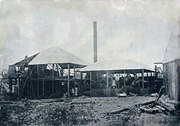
(133, 29)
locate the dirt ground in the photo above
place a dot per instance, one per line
(80, 111)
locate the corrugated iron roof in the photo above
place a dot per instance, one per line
(56, 55)
(116, 65)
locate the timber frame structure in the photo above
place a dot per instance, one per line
(45, 80)
(144, 80)
(55, 77)
(134, 76)
(50, 80)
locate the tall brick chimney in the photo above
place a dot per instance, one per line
(95, 41)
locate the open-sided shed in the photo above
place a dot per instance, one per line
(122, 68)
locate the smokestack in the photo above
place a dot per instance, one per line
(95, 40)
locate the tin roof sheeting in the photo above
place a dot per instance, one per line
(116, 65)
(56, 55)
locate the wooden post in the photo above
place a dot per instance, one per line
(10, 84)
(37, 81)
(21, 87)
(18, 86)
(74, 76)
(107, 79)
(124, 79)
(52, 78)
(74, 72)
(97, 76)
(31, 85)
(27, 90)
(43, 87)
(90, 82)
(143, 78)
(68, 80)
(147, 78)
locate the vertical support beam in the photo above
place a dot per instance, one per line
(53, 78)
(90, 78)
(107, 79)
(57, 75)
(149, 82)
(74, 72)
(32, 85)
(124, 78)
(28, 86)
(27, 89)
(68, 83)
(74, 78)
(43, 87)
(10, 85)
(37, 81)
(97, 76)
(151, 78)
(143, 78)
(18, 86)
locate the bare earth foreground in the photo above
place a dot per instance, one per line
(81, 111)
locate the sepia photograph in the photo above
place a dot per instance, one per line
(89, 63)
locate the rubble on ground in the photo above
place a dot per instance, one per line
(45, 114)
(84, 111)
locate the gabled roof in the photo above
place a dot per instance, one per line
(56, 55)
(116, 66)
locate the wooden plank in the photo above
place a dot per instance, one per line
(81, 102)
(128, 108)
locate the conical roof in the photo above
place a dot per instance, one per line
(56, 55)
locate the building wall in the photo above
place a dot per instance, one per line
(171, 79)
(178, 79)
